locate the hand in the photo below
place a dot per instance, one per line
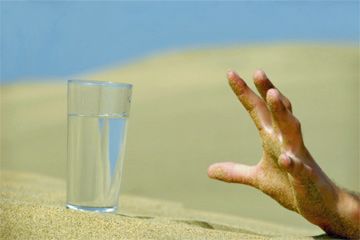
(287, 172)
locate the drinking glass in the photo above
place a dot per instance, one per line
(97, 122)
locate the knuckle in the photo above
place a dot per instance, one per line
(288, 105)
(297, 124)
(276, 106)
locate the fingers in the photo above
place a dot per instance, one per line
(252, 102)
(263, 84)
(283, 119)
(232, 172)
(280, 107)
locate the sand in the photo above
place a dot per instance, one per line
(32, 207)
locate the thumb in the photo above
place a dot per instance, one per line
(232, 172)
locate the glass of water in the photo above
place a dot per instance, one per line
(97, 122)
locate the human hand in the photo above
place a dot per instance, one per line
(287, 172)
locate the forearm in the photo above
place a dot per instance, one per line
(346, 218)
(340, 213)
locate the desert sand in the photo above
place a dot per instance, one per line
(33, 207)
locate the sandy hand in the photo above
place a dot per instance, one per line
(287, 172)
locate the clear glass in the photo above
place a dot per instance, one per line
(97, 124)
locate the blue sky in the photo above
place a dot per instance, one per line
(43, 39)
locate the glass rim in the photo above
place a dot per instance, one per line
(100, 83)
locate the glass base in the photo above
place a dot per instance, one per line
(92, 209)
